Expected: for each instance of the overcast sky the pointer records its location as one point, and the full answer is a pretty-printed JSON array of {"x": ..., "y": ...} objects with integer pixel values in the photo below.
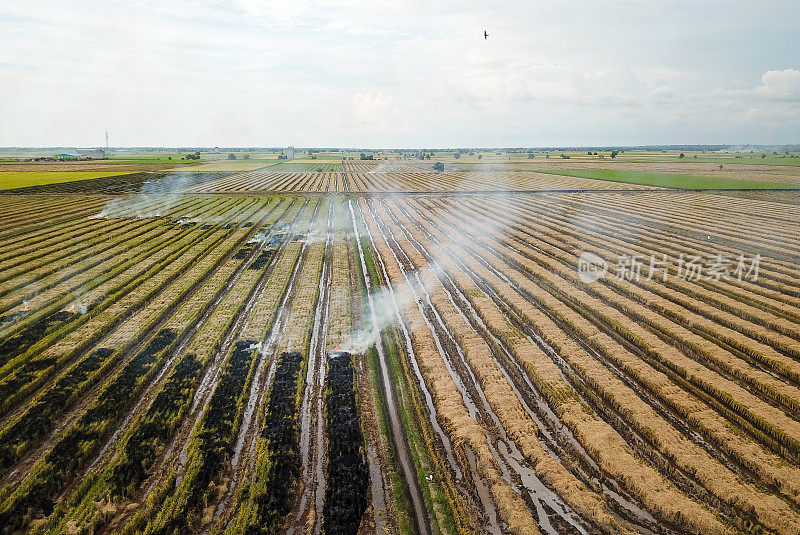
[{"x": 398, "y": 74}]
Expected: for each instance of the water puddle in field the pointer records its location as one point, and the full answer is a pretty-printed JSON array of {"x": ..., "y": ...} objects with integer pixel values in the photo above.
[
  {"x": 455, "y": 467},
  {"x": 208, "y": 384},
  {"x": 376, "y": 490},
  {"x": 312, "y": 405},
  {"x": 476, "y": 318},
  {"x": 507, "y": 462},
  {"x": 634, "y": 511},
  {"x": 268, "y": 353},
  {"x": 484, "y": 495}
]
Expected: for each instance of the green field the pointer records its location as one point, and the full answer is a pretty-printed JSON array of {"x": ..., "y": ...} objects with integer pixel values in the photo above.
[
  {"x": 24, "y": 179},
  {"x": 668, "y": 180}
]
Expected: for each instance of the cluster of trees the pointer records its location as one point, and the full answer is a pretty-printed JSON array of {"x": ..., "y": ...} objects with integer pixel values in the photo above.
[
  {"x": 193, "y": 156},
  {"x": 366, "y": 156}
]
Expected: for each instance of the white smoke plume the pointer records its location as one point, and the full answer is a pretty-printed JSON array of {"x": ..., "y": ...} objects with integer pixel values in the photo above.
[
  {"x": 156, "y": 197},
  {"x": 386, "y": 303}
]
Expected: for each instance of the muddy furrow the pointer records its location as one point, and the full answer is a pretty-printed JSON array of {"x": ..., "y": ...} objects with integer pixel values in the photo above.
[
  {"x": 399, "y": 437},
  {"x": 180, "y": 442},
  {"x": 246, "y": 438},
  {"x": 555, "y": 437},
  {"x": 160, "y": 254},
  {"x": 312, "y": 440},
  {"x": 181, "y": 344},
  {"x": 642, "y": 444},
  {"x": 517, "y": 470}
]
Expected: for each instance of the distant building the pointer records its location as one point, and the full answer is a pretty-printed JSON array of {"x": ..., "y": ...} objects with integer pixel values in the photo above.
[
  {"x": 93, "y": 154},
  {"x": 289, "y": 152}
]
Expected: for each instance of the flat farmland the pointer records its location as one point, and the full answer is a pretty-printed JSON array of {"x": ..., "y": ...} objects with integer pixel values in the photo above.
[{"x": 371, "y": 346}]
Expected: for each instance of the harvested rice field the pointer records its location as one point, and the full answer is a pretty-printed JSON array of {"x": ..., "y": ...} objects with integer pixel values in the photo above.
[{"x": 509, "y": 346}]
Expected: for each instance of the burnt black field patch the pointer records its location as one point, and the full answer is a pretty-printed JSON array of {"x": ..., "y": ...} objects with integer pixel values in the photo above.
[
  {"x": 243, "y": 253},
  {"x": 38, "y": 421},
  {"x": 262, "y": 259},
  {"x": 346, "y": 489},
  {"x": 281, "y": 431},
  {"x": 12, "y": 316},
  {"x": 156, "y": 427},
  {"x": 275, "y": 240}
]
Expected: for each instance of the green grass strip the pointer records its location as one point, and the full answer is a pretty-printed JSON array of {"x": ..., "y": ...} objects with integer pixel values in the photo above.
[
  {"x": 668, "y": 180},
  {"x": 24, "y": 179}
]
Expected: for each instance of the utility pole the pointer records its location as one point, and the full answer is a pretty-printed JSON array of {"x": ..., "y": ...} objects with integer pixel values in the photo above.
[{"x": 106, "y": 141}]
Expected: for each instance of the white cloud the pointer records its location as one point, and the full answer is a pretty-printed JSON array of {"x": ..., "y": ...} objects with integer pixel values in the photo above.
[{"x": 780, "y": 85}]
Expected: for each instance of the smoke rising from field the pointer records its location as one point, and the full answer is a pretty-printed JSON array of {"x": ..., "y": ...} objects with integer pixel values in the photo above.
[
  {"x": 383, "y": 313},
  {"x": 388, "y": 302},
  {"x": 156, "y": 197},
  {"x": 77, "y": 308}
]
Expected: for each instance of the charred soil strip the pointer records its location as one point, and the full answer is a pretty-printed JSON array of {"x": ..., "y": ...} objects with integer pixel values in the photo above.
[
  {"x": 164, "y": 318},
  {"x": 15, "y": 388},
  {"x": 68, "y": 387},
  {"x": 346, "y": 488},
  {"x": 32, "y": 333},
  {"x": 120, "y": 269},
  {"x": 250, "y": 443},
  {"x": 209, "y": 447},
  {"x": 211, "y": 374},
  {"x": 270, "y": 500},
  {"x": 247, "y": 438}
]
